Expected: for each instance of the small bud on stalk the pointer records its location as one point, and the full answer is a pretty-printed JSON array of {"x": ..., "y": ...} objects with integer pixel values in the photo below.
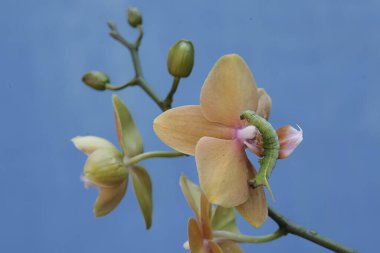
[
  {"x": 181, "y": 58},
  {"x": 96, "y": 79},
  {"x": 134, "y": 17}
]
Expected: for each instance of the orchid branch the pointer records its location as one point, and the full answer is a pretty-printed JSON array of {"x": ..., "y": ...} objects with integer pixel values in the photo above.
[
  {"x": 133, "y": 49},
  {"x": 285, "y": 227},
  {"x": 295, "y": 229},
  {"x": 139, "y": 79}
]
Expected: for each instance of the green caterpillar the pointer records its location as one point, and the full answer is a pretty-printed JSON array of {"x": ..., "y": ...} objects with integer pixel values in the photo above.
[{"x": 271, "y": 149}]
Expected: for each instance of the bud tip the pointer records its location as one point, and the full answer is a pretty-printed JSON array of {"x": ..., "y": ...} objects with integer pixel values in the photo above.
[{"x": 134, "y": 17}]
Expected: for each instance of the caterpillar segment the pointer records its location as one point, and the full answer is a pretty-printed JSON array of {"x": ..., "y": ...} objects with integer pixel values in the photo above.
[{"x": 271, "y": 148}]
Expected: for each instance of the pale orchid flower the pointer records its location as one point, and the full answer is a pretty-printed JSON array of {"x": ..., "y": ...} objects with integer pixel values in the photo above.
[
  {"x": 215, "y": 134},
  {"x": 104, "y": 169},
  {"x": 107, "y": 168}
]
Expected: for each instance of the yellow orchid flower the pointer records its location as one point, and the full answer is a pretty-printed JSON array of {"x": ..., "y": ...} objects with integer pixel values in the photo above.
[
  {"x": 214, "y": 133},
  {"x": 104, "y": 169},
  {"x": 107, "y": 168}
]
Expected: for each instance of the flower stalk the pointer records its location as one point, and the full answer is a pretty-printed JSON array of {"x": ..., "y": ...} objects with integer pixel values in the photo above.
[
  {"x": 169, "y": 98},
  {"x": 139, "y": 79},
  {"x": 225, "y": 235},
  {"x": 292, "y": 228},
  {"x": 133, "y": 82},
  {"x": 152, "y": 154}
]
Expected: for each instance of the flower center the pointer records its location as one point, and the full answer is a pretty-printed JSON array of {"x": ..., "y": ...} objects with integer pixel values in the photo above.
[
  {"x": 125, "y": 159},
  {"x": 246, "y": 134}
]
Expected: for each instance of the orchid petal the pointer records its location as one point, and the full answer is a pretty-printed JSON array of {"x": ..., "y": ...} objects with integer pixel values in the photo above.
[
  {"x": 205, "y": 217},
  {"x": 196, "y": 241},
  {"x": 230, "y": 247},
  {"x": 289, "y": 139},
  {"x": 214, "y": 247},
  {"x": 88, "y": 183},
  {"x": 222, "y": 170},
  {"x": 228, "y": 90},
  {"x": 192, "y": 194},
  {"x": 89, "y": 144},
  {"x": 109, "y": 198},
  {"x": 142, "y": 186},
  {"x": 254, "y": 210},
  {"x": 224, "y": 219},
  {"x": 182, "y": 127},
  {"x": 265, "y": 104},
  {"x": 127, "y": 133},
  {"x": 186, "y": 245}
]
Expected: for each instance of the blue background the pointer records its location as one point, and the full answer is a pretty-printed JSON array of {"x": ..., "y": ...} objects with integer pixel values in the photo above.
[{"x": 319, "y": 60}]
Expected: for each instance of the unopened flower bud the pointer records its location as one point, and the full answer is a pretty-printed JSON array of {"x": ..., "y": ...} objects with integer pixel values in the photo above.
[
  {"x": 134, "y": 17},
  {"x": 181, "y": 58},
  {"x": 96, "y": 79},
  {"x": 104, "y": 167}
]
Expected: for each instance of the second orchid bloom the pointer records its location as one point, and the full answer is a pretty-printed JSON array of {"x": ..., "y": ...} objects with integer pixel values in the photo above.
[
  {"x": 214, "y": 133},
  {"x": 107, "y": 168}
]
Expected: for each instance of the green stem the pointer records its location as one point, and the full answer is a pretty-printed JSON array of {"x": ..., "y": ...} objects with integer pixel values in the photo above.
[
  {"x": 133, "y": 82},
  {"x": 292, "y": 228},
  {"x": 133, "y": 49},
  {"x": 145, "y": 86},
  {"x": 139, "y": 38},
  {"x": 225, "y": 235},
  {"x": 152, "y": 154},
  {"x": 115, "y": 34},
  {"x": 167, "y": 103},
  {"x": 136, "y": 62}
]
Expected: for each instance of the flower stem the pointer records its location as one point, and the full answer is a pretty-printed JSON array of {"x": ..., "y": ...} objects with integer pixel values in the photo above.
[
  {"x": 292, "y": 228},
  {"x": 152, "y": 154},
  {"x": 145, "y": 86},
  {"x": 133, "y": 82},
  {"x": 139, "y": 77},
  {"x": 139, "y": 38},
  {"x": 225, "y": 235},
  {"x": 167, "y": 103}
]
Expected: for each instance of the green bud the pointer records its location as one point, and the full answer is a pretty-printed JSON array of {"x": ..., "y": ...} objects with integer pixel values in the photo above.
[
  {"x": 134, "y": 17},
  {"x": 181, "y": 58},
  {"x": 105, "y": 167},
  {"x": 96, "y": 79}
]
